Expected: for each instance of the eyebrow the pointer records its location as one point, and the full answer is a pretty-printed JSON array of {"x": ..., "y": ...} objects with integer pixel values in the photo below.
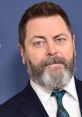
[
  {"x": 37, "y": 36},
  {"x": 42, "y": 37},
  {"x": 61, "y": 34}
]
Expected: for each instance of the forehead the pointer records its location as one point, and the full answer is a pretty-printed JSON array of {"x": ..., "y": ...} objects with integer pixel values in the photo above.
[{"x": 46, "y": 25}]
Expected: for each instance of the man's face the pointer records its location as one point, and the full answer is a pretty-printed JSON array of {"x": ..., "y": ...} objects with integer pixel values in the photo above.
[{"x": 49, "y": 52}]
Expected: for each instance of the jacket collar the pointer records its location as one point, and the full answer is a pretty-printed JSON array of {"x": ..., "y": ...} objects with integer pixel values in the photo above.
[
  {"x": 31, "y": 104},
  {"x": 79, "y": 92}
]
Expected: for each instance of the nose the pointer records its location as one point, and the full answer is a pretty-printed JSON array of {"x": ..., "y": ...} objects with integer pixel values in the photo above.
[{"x": 52, "y": 49}]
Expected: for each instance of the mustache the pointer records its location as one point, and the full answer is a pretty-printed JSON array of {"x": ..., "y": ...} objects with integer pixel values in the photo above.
[
  {"x": 54, "y": 60},
  {"x": 50, "y": 61}
]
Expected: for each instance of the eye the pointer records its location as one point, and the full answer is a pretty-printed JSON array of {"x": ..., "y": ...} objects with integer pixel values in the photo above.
[
  {"x": 39, "y": 43},
  {"x": 60, "y": 40}
]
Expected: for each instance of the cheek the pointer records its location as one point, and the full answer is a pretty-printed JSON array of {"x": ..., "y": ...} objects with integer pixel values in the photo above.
[
  {"x": 36, "y": 56},
  {"x": 68, "y": 52}
]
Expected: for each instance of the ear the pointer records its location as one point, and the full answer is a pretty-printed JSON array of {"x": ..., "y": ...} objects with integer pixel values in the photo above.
[
  {"x": 74, "y": 44},
  {"x": 22, "y": 52}
]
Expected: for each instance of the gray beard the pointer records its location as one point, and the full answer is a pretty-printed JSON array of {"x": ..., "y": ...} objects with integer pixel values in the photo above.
[
  {"x": 53, "y": 79},
  {"x": 55, "y": 83}
]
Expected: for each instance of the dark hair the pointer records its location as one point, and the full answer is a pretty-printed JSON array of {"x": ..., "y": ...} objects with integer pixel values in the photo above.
[{"x": 43, "y": 9}]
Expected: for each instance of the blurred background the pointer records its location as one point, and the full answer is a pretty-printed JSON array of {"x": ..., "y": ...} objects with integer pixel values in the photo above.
[{"x": 13, "y": 75}]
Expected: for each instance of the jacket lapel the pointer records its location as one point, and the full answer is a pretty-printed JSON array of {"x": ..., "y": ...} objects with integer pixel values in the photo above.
[
  {"x": 32, "y": 106},
  {"x": 79, "y": 92}
]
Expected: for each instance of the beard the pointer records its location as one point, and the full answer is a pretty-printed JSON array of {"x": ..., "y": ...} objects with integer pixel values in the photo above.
[{"x": 52, "y": 77}]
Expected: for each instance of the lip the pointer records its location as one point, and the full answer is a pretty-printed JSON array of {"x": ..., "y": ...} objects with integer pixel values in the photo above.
[{"x": 55, "y": 65}]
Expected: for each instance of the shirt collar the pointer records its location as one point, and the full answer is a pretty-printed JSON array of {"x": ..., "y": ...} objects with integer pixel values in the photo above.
[
  {"x": 44, "y": 94},
  {"x": 71, "y": 89}
]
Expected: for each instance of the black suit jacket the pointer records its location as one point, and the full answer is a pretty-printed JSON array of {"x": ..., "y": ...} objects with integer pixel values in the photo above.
[{"x": 27, "y": 104}]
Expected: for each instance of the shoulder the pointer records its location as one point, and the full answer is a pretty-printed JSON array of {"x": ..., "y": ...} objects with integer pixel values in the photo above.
[
  {"x": 78, "y": 82},
  {"x": 13, "y": 105}
]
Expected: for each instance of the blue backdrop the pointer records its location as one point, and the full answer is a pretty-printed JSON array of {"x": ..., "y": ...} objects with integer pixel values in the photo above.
[{"x": 13, "y": 76}]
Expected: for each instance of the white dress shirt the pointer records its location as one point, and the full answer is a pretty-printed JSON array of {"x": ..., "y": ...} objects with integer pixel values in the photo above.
[{"x": 70, "y": 99}]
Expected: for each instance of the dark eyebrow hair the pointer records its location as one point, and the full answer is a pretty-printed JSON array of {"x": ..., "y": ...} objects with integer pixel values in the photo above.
[
  {"x": 61, "y": 34},
  {"x": 42, "y": 37},
  {"x": 37, "y": 36}
]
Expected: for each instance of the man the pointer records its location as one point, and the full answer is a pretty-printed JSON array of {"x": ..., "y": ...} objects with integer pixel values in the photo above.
[{"x": 47, "y": 47}]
